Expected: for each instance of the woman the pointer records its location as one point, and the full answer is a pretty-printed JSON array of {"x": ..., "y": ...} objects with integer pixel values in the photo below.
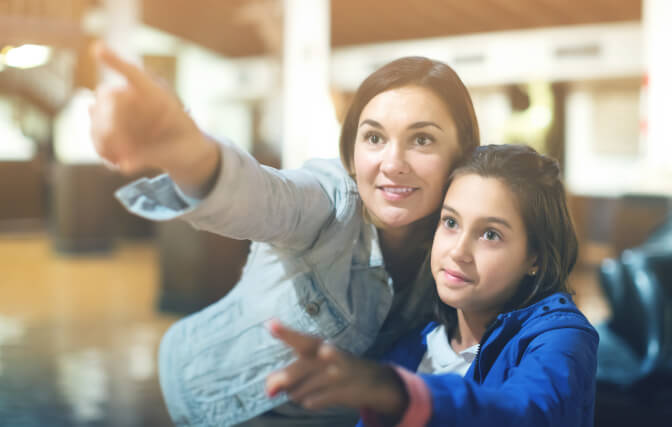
[
  {"x": 338, "y": 252},
  {"x": 510, "y": 347}
]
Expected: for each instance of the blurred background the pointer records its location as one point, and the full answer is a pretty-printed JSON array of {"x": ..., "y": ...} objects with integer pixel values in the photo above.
[{"x": 86, "y": 290}]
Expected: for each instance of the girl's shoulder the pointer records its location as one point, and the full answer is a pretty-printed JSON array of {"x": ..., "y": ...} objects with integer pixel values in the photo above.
[
  {"x": 409, "y": 349},
  {"x": 556, "y": 311}
]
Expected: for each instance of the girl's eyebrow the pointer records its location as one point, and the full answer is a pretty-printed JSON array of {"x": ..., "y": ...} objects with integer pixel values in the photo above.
[
  {"x": 498, "y": 221},
  {"x": 416, "y": 125},
  {"x": 370, "y": 122},
  {"x": 488, "y": 219},
  {"x": 449, "y": 209}
]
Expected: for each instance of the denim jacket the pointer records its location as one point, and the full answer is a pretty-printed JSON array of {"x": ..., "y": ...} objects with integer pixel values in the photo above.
[
  {"x": 536, "y": 367},
  {"x": 314, "y": 264}
]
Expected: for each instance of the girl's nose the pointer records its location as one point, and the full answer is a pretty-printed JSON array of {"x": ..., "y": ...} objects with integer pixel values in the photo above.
[{"x": 461, "y": 251}]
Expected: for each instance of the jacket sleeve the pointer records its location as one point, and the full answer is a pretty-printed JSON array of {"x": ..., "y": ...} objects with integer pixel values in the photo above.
[
  {"x": 405, "y": 356},
  {"x": 553, "y": 385},
  {"x": 249, "y": 201}
]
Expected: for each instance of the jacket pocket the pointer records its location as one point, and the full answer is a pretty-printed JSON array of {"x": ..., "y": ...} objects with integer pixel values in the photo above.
[{"x": 319, "y": 314}]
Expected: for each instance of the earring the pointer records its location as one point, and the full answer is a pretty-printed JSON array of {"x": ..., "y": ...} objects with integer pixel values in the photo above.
[{"x": 533, "y": 272}]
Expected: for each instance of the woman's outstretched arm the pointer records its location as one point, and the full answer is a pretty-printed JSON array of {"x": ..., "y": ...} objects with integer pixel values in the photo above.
[{"x": 141, "y": 124}]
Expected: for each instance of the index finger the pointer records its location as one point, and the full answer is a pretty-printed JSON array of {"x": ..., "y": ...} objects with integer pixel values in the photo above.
[
  {"x": 303, "y": 345},
  {"x": 134, "y": 74}
]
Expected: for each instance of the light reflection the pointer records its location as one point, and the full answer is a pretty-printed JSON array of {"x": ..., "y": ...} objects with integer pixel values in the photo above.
[
  {"x": 72, "y": 130},
  {"x": 84, "y": 382},
  {"x": 14, "y": 145},
  {"x": 11, "y": 330},
  {"x": 142, "y": 353}
]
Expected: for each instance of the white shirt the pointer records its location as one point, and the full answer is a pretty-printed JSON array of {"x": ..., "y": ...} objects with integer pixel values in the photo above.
[{"x": 440, "y": 357}]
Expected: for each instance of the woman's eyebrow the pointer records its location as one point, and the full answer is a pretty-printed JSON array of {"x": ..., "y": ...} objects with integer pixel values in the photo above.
[
  {"x": 418, "y": 125},
  {"x": 370, "y": 122}
]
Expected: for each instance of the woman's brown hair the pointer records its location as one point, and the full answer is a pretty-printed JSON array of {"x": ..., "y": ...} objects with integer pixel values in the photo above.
[
  {"x": 413, "y": 71},
  {"x": 536, "y": 183}
]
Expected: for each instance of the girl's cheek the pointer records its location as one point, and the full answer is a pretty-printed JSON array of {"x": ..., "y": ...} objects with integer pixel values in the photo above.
[{"x": 443, "y": 242}]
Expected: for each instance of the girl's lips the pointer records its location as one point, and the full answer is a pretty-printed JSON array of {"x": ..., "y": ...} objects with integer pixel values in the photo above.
[
  {"x": 396, "y": 193},
  {"x": 455, "y": 277}
]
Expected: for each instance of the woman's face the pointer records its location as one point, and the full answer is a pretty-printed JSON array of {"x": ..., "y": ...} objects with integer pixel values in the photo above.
[
  {"x": 480, "y": 250},
  {"x": 405, "y": 147}
]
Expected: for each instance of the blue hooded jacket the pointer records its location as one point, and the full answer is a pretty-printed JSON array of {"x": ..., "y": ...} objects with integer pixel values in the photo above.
[{"x": 536, "y": 367}]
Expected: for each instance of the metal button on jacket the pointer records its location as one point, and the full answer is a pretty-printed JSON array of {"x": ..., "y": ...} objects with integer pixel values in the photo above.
[{"x": 312, "y": 308}]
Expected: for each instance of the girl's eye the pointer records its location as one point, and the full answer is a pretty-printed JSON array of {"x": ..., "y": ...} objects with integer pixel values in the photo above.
[
  {"x": 491, "y": 235},
  {"x": 423, "y": 140},
  {"x": 449, "y": 222}
]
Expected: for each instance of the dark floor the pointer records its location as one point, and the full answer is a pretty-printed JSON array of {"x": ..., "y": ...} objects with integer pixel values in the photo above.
[
  {"x": 79, "y": 335},
  {"x": 51, "y": 377}
]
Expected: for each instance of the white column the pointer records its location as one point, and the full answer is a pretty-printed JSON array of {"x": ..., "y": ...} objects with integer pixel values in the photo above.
[
  {"x": 309, "y": 123},
  {"x": 122, "y": 20},
  {"x": 656, "y": 19},
  {"x": 72, "y": 138}
]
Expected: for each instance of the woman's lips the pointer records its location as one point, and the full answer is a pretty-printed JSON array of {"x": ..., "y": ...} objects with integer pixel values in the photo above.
[{"x": 396, "y": 193}]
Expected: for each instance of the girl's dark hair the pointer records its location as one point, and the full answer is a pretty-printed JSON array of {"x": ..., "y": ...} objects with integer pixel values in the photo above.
[
  {"x": 413, "y": 71},
  {"x": 536, "y": 183}
]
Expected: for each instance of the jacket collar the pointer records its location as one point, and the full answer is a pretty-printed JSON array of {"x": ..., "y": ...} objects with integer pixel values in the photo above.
[{"x": 557, "y": 302}]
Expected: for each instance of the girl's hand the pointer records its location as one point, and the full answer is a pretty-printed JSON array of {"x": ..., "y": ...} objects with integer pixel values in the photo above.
[
  {"x": 324, "y": 376},
  {"x": 143, "y": 125}
]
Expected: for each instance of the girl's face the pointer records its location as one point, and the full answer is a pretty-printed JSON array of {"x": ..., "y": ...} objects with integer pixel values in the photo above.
[
  {"x": 480, "y": 249},
  {"x": 405, "y": 147}
]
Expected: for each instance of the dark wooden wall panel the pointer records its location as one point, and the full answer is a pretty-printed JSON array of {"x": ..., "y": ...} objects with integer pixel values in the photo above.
[{"x": 22, "y": 190}]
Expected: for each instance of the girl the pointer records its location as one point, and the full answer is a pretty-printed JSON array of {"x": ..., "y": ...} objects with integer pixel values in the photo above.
[
  {"x": 328, "y": 241},
  {"x": 509, "y": 347}
]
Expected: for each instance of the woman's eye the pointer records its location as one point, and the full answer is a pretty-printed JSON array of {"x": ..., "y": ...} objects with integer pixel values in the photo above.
[
  {"x": 423, "y": 140},
  {"x": 491, "y": 235},
  {"x": 373, "y": 138}
]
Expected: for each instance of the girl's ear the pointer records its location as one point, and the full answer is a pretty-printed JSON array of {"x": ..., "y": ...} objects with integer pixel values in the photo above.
[{"x": 533, "y": 267}]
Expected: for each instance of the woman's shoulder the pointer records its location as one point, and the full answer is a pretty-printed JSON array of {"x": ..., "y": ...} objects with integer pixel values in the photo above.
[
  {"x": 330, "y": 172},
  {"x": 336, "y": 183}
]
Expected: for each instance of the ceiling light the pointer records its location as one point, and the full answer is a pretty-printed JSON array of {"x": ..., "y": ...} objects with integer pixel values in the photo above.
[{"x": 26, "y": 56}]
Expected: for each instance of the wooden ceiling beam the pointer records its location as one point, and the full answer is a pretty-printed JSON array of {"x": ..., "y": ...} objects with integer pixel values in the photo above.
[
  {"x": 217, "y": 24},
  {"x": 18, "y": 30},
  {"x": 470, "y": 19},
  {"x": 371, "y": 21},
  {"x": 608, "y": 10},
  {"x": 46, "y": 22},
  {"x": 517, "y": 14},
  {"x": 213, "y": 24}
]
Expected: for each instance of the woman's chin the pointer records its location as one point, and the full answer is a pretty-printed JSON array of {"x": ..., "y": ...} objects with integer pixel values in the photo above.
[{"x": 394, "y": 219}]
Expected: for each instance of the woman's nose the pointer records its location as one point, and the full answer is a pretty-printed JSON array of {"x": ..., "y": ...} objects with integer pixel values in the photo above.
[{"x": 394, "y": 160}]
